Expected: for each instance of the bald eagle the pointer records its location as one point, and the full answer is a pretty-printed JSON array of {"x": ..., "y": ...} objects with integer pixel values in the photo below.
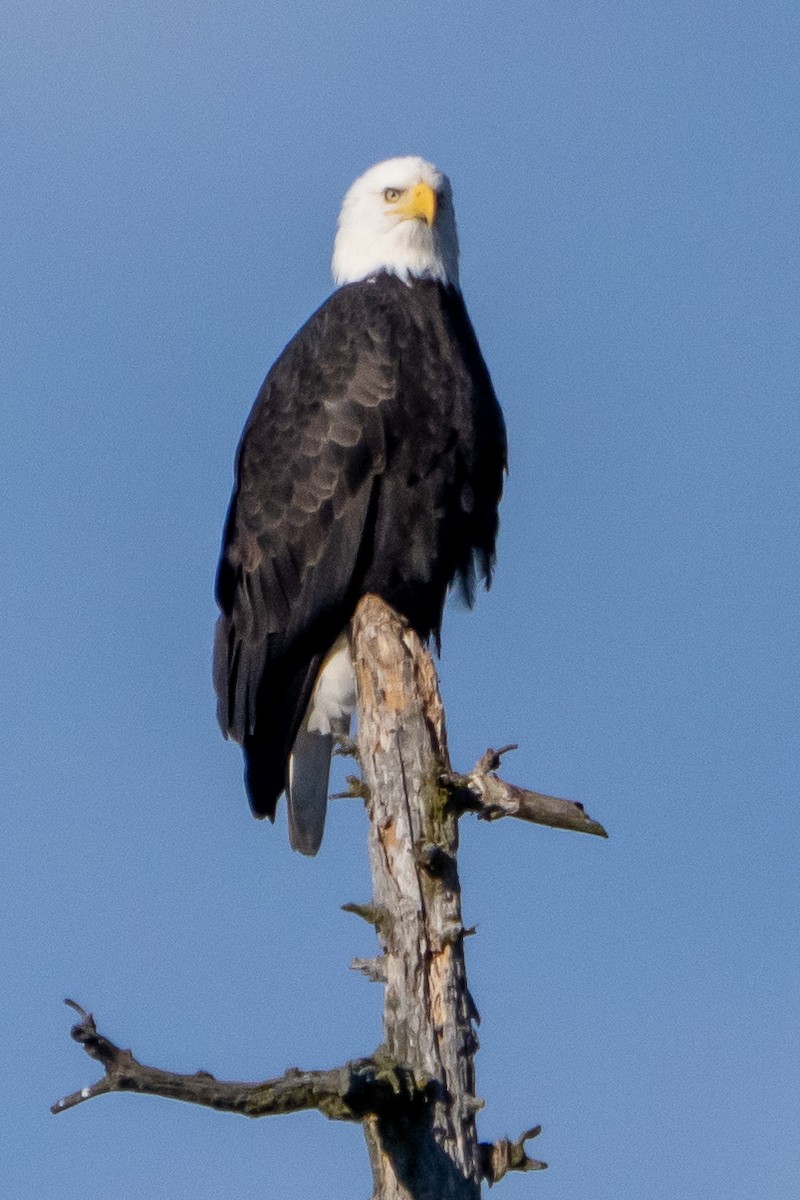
[{"x": 372, "y": 461}]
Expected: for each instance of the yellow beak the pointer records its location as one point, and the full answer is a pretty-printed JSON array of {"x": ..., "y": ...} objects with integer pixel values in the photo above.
[{"x": 420, "y": 204}]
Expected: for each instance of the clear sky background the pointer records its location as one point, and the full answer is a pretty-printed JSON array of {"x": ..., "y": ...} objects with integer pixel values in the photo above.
[{"x": 626, "y": 182}]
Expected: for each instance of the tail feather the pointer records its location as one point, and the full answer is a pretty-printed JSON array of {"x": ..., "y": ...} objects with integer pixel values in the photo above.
[
  {"x": 309, "y": 783},
  {"x": 307, "y": 790}
]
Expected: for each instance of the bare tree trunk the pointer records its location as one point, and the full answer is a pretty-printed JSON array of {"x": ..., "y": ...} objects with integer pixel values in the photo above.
[{"x": 413, "y": 840}]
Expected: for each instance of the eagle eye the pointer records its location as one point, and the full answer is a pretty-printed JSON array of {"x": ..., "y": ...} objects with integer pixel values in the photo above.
[{"x": 391, "y": 195}]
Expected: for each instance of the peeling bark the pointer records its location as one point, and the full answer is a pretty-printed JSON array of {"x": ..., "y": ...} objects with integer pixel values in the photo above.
[{"x": 413, "y": 842}]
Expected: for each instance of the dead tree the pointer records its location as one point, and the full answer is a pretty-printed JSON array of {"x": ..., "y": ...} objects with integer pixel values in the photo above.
[{"x": 415, "y": 1096}]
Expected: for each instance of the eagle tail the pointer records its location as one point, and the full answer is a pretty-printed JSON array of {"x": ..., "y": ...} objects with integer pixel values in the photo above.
[
  {"x": 267, "y": 746},
  {"x": 307, "y": 789}
]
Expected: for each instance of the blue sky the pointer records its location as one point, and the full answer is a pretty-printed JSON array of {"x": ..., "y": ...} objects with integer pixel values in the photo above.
[{"x": 627, "y": 190}]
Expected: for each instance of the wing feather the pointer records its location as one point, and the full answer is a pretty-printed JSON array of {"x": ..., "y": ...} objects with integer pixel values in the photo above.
[{"x": 312, "y": 448}]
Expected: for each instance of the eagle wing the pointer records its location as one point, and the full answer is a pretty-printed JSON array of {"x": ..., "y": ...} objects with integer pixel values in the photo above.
[{"x": 308, "y": 460}]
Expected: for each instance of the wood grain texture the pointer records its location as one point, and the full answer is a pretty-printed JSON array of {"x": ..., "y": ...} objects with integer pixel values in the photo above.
[{"x": 413, "y": 842}]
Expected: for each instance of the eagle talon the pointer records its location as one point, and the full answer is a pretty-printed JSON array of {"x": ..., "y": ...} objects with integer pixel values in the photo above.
[{"x": 345, "y": 746}]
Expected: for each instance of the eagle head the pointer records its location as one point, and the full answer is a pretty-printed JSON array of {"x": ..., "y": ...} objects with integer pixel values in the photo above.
[{"x": 398, "y": 217}]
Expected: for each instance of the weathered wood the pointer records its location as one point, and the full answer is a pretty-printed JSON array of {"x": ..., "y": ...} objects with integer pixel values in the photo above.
[
  {"x": 348, "y": 1093},
  {"x": 500, "y": 1157},
  {"x": 359, "y": 1091},
  {"x": 484, "y": 793},
  {"x": 431, "y": 1152},
  {"x": 416, "y": 1095}
]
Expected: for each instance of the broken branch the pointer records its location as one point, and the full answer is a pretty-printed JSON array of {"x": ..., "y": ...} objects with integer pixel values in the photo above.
[
  {"x": 349, "y": 1093},
  {"x": 502, "y": 1156},
  {"x": 484, "y": 793}
]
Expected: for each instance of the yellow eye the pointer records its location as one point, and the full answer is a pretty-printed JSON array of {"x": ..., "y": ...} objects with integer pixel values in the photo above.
[{"x": 392, "y": 195}]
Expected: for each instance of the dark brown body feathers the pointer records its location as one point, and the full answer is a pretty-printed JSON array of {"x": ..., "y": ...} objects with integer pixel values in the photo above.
[{"x": 372, "y": 461}]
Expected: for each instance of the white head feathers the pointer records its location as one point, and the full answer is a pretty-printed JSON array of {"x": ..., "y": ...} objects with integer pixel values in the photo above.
[{"x": 397, "y": 217}]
